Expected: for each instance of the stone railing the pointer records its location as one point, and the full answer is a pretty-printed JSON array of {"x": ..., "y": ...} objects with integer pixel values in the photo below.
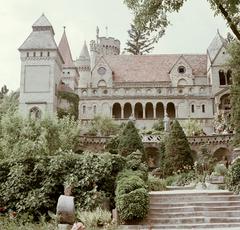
[
  {"x": 214, "y": 139},
  {"x": 136, "y": 91}
]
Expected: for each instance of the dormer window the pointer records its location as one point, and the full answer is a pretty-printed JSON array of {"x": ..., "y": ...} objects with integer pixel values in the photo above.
[{"x": 181, "y": 69}]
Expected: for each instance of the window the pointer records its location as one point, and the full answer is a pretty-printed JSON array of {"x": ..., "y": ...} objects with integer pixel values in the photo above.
[
  {"x": 27, "y": 54},
  {"x": 34, "y": 54},
  {"x": 94, "y": 109},
  {"x": 192, "y": 108},
  {"x": 181, "y": 69},
  {"x": 84, "y": 109},
  {"x": 203, "y": 108},
  {"x": 41, "y": 54},
  {"x": 48, "y": 54},
  {"x": 222, "y": 79}
]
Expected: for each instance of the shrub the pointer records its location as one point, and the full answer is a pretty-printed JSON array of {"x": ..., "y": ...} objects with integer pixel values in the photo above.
[
  {"x": 133, "y": 205},
  {"x": 181, "y": 179},
  {"x": 233, "y": 177},
  {"x": 96, "y": 218},
  {"x": 129, "y": 140},
  {"x": 177, "y": 151},
  {"x": 156, "y": 184},
  {"x": 131, "y": 196},
  {"x": 220, "y": 170}
]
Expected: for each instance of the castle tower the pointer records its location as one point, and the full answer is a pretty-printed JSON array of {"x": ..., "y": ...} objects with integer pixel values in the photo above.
[
  {"x": 70, "y": 72},
  {"x": 103, "y": 46},
  {"x": 84, "y": 67},
  {"x": 41, "y": 71}
]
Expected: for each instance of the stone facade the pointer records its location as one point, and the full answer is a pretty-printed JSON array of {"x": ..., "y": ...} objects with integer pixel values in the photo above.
[{"x": 149, "y": 87}]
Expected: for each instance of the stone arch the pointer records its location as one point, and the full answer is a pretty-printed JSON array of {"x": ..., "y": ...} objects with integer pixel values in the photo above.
[
  {"x": 171, "y": 111},
  {"x": 102, "y": 83},
  {"x": 182, "y": 82},
  {"x": 127, "y": 110},
  {"x": 153, "y": 157},
  {"x": 222, "y": 154},
  {"x": 138, "y": 111},
  {"x": 149, "y": 110},
  {"x": 160, "y": 110},
  {"x": 225, "y": 102},
  {"x": 35, "y": 113},
  {"x": 116, "y": 111}
]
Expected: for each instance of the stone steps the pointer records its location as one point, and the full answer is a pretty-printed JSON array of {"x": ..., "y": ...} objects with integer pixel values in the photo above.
[{"x": 192, "y": 209}]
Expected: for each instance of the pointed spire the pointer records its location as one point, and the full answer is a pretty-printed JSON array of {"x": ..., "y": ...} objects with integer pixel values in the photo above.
[
  {"x": 65, "y": 51},
  {"x": 42, "y": 24},
  {"x": 84, "y": 53}
]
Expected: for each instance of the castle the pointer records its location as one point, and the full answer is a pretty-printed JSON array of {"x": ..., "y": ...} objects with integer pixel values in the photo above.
[{"x": 147, "y": 87}]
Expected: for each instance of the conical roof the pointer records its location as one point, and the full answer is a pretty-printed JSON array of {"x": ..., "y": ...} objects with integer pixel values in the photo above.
[
  {"x": 65, "y": 51},
  {"x": 84, "y": 53},
  {"x": 42, "y": 36}
]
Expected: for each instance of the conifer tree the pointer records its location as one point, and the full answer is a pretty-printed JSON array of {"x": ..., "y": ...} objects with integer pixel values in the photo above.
[
  {"x": 139, "y": 42},
  {"x": 129, "y": 140},
  {"x": 177, "y": 151}
]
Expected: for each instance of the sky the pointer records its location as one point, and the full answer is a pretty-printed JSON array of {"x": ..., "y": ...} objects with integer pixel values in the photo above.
[{"x": 191, "y": 30}]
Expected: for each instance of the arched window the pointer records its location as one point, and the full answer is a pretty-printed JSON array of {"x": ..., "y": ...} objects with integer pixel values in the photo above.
[
  {"x": 203, "y": 108},
  {"x": 94, "y": 109},
  {"x": 192, "y": 108},
  {"x": 222, "y": 79},
  {"x": 35, "y": 113},
  {"x": 84, "y": 109},
  {"x": 102, "y": 83}
]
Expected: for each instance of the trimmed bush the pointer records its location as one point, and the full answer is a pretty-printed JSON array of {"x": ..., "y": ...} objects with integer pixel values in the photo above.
[
  {"x": 233, "y": 177},
  {"x": 178, "y": 156},
  {"x": 133, "y": 205},
  {"x": 129, "y": 140}
]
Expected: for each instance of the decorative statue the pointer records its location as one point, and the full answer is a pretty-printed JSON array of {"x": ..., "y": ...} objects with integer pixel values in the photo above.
[{"x": 166, "y": 122}]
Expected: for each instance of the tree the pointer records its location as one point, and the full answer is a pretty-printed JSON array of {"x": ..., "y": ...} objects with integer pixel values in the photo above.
[
  {"x": 151, "y": 15},
  {"x": 178, "y": 156},
  {"x": 234, "y": 63},
  {"x": 129, "y": 140},
  {"x": 139, "y": 42}
]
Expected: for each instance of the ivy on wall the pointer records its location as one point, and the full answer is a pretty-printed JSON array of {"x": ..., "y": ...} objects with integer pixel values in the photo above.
[{"x": 73, "y": 100}]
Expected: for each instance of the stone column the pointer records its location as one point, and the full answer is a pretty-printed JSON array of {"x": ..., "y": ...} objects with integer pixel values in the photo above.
[
  {"x": 154, "y": 111},
  {"x": 122, "y": 112},
  {"x": 144, "y": 111},
  {"x": 165, "y": 109}
]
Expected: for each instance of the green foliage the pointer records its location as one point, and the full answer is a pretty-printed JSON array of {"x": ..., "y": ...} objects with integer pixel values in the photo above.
[
  {"x": 112, "y": 145},
  {"x": 139, "y": 42},
  {"x": 235, "y": 90},
  {"x": 73, "y": 100},
  {"x": 102, "y": 126},
  {"x": 158, "y": 126},
  {"x": 193, "y": 128},
  {"x": 156, "y": 184},
  {"x": 131, "y": 197},
  {"x": 205, "y": 162},
  {"x": 152, "y": 15},
  {"x": 181, "y": 179},
  {"x": 177, "y": 151},
  {"x": 34, "y": 183},
  {"x": 96, "y": 218},
  {"x": 8, "y": 103},
  {"x": 21, "y": 137},
  {"x": 21, "y": 223},
  {"x": 220, "y": 170},
  {"x": 129, "y": 140},
  {"x": 233, "y": 177}
]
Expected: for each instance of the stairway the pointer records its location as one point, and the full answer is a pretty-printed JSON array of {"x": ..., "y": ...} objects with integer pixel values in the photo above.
[{"x": 192, "y": 209}]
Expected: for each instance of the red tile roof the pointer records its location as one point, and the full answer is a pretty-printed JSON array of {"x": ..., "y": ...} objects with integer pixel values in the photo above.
[{"x": 152, "y": 68}]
